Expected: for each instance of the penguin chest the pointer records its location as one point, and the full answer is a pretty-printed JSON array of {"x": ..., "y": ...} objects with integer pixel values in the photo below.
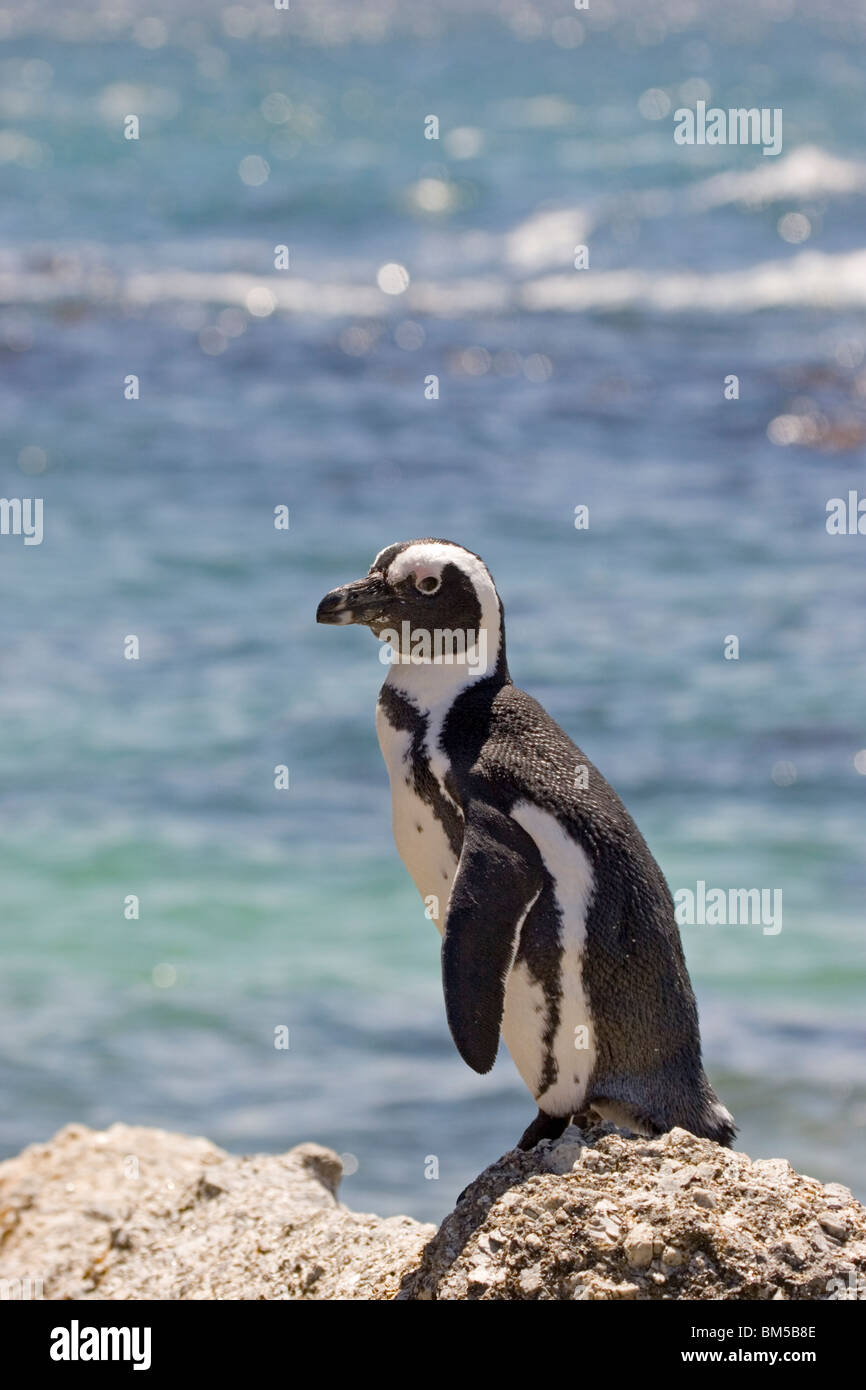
[{"x": 427, "y": 823}]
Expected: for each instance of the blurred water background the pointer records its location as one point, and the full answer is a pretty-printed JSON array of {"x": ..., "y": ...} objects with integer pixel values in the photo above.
[{"x": 605, "y": 387}]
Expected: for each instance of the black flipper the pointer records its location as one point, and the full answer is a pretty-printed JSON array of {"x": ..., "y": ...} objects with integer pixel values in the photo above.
[{"x": 482, "y": 927}]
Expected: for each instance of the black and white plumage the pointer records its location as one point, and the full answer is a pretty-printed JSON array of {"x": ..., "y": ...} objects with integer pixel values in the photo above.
[{"x": 557, "y": 924}]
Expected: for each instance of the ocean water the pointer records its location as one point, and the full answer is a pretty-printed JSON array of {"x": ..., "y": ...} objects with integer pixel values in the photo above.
[{"x": 264, "y": 909}]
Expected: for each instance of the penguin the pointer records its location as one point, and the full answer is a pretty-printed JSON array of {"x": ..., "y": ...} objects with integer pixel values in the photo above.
[{"x": 557, "y": 925}]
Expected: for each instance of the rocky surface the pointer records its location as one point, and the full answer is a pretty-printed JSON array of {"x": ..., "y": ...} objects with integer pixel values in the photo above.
[
  {"x": 132, "y": 1213},
  {"x": 141, "y": 1213},
  {"x": 606, "y": 1215}
]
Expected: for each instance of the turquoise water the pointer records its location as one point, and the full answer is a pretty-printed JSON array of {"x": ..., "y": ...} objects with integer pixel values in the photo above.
[{"x": 262, "y": 909}]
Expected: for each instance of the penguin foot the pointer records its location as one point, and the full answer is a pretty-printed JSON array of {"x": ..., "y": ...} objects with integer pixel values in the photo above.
[
  {"x": 542, "y": 1127},
  {"x": 626, "y": 1115}
]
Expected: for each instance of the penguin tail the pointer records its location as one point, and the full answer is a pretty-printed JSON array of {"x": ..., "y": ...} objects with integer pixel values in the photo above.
[{"x": 719, "y": 1125}]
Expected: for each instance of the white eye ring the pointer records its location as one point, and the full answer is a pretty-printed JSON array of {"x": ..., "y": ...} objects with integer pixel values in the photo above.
[{"x": 429, "y": 584}]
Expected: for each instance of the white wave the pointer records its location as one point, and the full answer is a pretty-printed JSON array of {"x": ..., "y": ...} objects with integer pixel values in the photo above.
[
  {"x": 808, "y": 172},
  {"x": 105, "y": 288},
  {"x": 548, "y": 238},
  {"x": 323, "y": 298},
  {"x": 808, "y": 280}
]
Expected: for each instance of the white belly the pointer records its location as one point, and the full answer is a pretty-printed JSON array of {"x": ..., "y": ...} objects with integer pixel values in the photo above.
[
  {"x": 525, "y": 1018},
  {"x": 420, "y": 839}
]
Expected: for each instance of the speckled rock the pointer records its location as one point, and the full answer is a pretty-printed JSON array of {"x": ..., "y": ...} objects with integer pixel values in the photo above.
[
  {"x": 140, "y": 1213},
  {"x": 607, "y": 1215}
]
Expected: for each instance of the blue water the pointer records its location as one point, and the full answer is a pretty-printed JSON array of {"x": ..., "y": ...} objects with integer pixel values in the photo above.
[{"x": 263, "y": 909}]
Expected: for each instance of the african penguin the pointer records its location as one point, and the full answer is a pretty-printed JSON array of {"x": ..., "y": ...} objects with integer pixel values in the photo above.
[{"x": 557, "y": 925}]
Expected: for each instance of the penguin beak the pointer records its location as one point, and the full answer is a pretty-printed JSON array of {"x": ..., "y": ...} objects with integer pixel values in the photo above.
[{"x": 359, "y": 602}]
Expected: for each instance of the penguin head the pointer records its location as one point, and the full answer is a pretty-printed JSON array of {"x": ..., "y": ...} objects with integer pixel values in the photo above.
[{"x": 421, "y": 595}]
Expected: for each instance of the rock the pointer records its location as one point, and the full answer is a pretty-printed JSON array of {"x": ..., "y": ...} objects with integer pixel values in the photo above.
[
  {"x": 639, "y": 1245},
  {"x": 561, "y": 1157},
  {"x": 670, "y": 1218},
  {"x": 832, "y": 1225},
  {"x": 597, "y": 1215},
  {"x": 672, "y": 1257},
  {"x": 531, "y": 1282},
  {"x": 159, "y": 1215},
  {"x": 836, "y": 1194},
  {"x": 794, "y": 1250}
]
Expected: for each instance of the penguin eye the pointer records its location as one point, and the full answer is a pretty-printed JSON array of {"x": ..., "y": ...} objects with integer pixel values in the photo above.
[{"x": 428, "y": 585}]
